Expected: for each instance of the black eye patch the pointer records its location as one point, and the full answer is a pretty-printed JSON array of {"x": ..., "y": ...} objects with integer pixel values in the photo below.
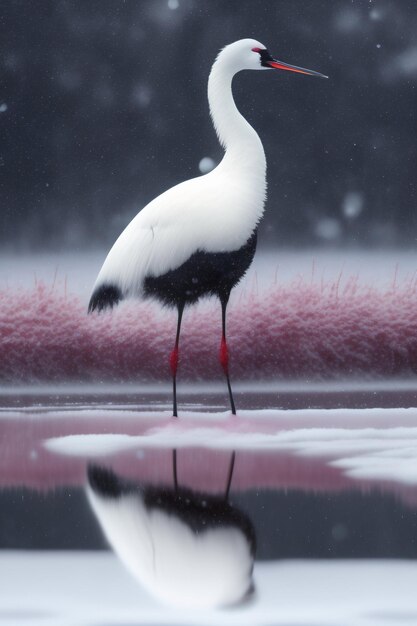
[{"x": 265, "y": 56}]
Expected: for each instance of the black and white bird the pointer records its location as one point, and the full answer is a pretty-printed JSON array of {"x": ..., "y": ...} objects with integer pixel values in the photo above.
[
  {"x": 199, "y": 237},
  {"x": 187, "y": 548}
]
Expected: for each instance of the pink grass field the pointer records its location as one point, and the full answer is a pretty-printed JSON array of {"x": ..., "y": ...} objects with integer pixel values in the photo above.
[{"x": 302, "y": 330}]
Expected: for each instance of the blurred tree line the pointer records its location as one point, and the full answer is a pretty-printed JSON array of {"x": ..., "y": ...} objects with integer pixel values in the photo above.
[{"x": 103, "y": 106}]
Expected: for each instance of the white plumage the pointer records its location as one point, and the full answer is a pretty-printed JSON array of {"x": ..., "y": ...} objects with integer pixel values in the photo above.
[
  {"x": 216, "y": 212},
  {"x": 179, "y": 222},
  {"x": 199, "y": 237},
  {"x": 176, "y": 564}
]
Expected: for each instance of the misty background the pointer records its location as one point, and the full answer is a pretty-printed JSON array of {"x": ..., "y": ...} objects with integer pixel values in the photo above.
[{"x": 103, "y": 106}]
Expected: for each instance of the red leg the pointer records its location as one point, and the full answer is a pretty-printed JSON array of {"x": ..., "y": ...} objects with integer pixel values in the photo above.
[
  {"x": 224, "y": 356},
  {"x": 224, "y": 352},
  {"x": 173, "y": 361}
]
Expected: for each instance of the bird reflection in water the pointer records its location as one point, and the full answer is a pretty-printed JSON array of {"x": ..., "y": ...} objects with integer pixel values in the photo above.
[{"x": 187, "y": 548}]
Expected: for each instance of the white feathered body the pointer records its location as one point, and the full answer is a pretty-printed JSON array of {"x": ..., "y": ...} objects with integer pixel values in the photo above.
[
  {"x": 217, "y": 212},
  {"x": 178, "y": 565},
  {"x": 211, "y": 213}
]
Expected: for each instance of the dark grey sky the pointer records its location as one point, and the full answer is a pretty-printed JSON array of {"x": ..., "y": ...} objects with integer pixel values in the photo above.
[{"x": 103, "y": 106}]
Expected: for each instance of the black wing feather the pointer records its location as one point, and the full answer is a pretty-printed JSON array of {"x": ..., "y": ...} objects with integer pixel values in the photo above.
[{"x": 105, "y": 296}]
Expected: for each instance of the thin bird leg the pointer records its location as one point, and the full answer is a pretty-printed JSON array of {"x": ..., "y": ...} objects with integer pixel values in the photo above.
[
  {"x": 174, "y": 358},
  {"x": 174, "y": 469},
  {"x": 230, "y": 475},
  {"x": 224, "y": 352}
]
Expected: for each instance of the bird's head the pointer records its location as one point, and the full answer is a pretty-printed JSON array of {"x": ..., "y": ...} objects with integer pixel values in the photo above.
[{"x": 249, "y": 54}]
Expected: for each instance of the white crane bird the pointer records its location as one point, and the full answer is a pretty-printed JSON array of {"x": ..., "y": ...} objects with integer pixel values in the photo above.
[{"x": 199, "y": 237}]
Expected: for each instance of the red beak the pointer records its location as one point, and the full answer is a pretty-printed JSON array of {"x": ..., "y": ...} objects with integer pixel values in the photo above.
[{"x": 280, "y": 65}]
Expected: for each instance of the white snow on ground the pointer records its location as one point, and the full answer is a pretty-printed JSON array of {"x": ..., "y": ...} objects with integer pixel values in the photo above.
[
  {"x": 78, "y": 270},
  {"x": 91, "y": 589},
  {"x": 275, "y": 419},
  {"x": 363, "y": 442}
]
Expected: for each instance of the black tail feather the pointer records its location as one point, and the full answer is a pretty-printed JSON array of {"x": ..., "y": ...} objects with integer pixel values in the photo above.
[
  {"x": 104, "y": 481},
  {"x": 105, "y": 296}
]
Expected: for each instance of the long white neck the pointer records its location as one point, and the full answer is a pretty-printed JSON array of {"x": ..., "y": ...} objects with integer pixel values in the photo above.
[{"x": 242, "y": 144}]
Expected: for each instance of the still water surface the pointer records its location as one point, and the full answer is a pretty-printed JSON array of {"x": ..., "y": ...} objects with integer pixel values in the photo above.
[{"x": 114, "y": 513}]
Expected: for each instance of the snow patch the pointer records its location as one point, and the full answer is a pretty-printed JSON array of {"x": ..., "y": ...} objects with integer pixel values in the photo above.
[
  {"x": 374, "y": 453},
  {"x": 92, "y": 588}
]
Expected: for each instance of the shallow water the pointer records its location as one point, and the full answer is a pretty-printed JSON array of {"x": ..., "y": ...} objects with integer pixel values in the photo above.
[{"x": 302, "y": 509}]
